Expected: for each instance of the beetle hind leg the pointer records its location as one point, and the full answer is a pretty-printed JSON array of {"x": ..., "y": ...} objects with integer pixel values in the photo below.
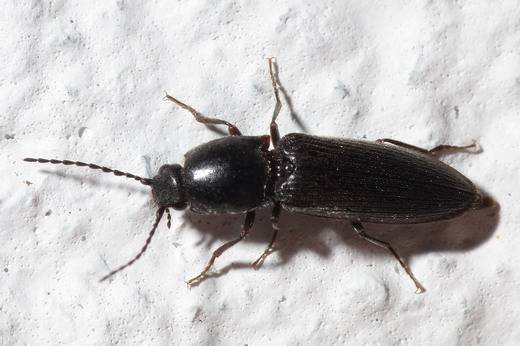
[
  {"x": 248, "y": 223},
  {"x": 274, "y": 222},
  {"x": 448, "y": 149},
  {"x": 440, "y": 149},
  {"x": 358, "y": 228}
]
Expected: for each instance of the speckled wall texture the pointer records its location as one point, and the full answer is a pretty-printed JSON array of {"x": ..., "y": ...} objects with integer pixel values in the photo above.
[{"x": 84, "y": 80}]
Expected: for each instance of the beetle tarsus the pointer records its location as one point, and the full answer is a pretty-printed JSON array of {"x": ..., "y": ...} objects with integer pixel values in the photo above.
[
  {"x": 248, "y": 222},
  {"x": 274, "y": 221},
  {"x": 358, "y": 228}
]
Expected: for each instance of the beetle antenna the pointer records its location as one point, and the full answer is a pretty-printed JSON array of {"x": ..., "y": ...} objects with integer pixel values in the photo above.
[
  {"x": 160, "y": 213},
  {"x": 168, "y": 218},
  {"x": 144, "y": 181}
]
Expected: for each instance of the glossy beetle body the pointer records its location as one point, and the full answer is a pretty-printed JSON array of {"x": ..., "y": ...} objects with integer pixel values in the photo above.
[
  {"x": 329, "y": 177},
  {"x": 386, "y": 181}
]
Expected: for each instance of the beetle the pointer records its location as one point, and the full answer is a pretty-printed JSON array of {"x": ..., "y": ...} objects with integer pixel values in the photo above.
[{"x": 386, "y": 181}]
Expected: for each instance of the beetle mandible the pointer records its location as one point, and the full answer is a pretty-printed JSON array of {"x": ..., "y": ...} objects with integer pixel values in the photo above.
[{"x": 386, "y": 181}]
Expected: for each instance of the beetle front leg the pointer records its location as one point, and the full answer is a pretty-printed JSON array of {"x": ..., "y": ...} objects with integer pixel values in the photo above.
[
  {"x": 440, "y": 149},
  {"x": 248, "y": 222},
  {"x": 275, "y": 216},
  {"x": 232, "y": 129},
  {"x": 358, "y": 228},
  {"x": 273, "y": 72}
]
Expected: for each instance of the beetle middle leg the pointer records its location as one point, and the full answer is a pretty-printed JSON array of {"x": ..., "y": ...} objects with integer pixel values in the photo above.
[
  {"x": 358, "y": 228},
  {"x": 275, "y": 216},
  {"x": 273, "y": 72},
  {"x": 232, "y": 129},
  {"x": 248, "y": 222},
  {"x": 440, "y": 149}
]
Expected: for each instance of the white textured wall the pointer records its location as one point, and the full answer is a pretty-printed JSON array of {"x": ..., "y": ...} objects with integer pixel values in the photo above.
[{"x": 85, "y": 80}]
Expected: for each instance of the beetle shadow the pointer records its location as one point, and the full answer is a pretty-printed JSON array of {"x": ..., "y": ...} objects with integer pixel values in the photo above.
[
  {"x": 299, "y": 233},
  {"x": 288, "y": 101}
]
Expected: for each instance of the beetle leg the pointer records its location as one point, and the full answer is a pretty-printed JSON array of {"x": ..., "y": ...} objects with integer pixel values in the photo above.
[
  {"x": 448, "y": 149},
  {"x": 232, "y": 129},
  {"x": 248, "y": 222},
  {"x": 440, "y": 149},
  {"x": 358, "y": 228},
  {"x": 403, "y": 145},
  {"x": 273, "y": 72},
  {"x": 275, "y": 216}
]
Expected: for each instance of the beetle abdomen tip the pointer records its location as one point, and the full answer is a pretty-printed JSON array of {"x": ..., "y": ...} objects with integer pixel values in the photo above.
[{"x": 484, "y": 201}]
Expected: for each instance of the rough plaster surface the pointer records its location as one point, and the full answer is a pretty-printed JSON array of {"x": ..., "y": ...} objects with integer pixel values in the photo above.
[{"x": 84, "y": 80}]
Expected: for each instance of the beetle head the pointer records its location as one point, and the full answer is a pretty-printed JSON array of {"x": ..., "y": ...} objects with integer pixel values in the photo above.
[{"x": 167, "y": 187}]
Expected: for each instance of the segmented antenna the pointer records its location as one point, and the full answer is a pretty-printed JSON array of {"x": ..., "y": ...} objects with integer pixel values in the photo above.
[
  {"x": 144, "y": 181},
  {"x": 168, "y": 218},
  {"x": 160, "y": 213}
]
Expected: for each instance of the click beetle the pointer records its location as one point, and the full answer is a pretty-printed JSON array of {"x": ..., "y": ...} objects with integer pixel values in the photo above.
[{"x": 385, "y": 181}]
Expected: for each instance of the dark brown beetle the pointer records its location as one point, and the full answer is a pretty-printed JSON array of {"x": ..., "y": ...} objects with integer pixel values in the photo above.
[{"x": 386, "y": 181}]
